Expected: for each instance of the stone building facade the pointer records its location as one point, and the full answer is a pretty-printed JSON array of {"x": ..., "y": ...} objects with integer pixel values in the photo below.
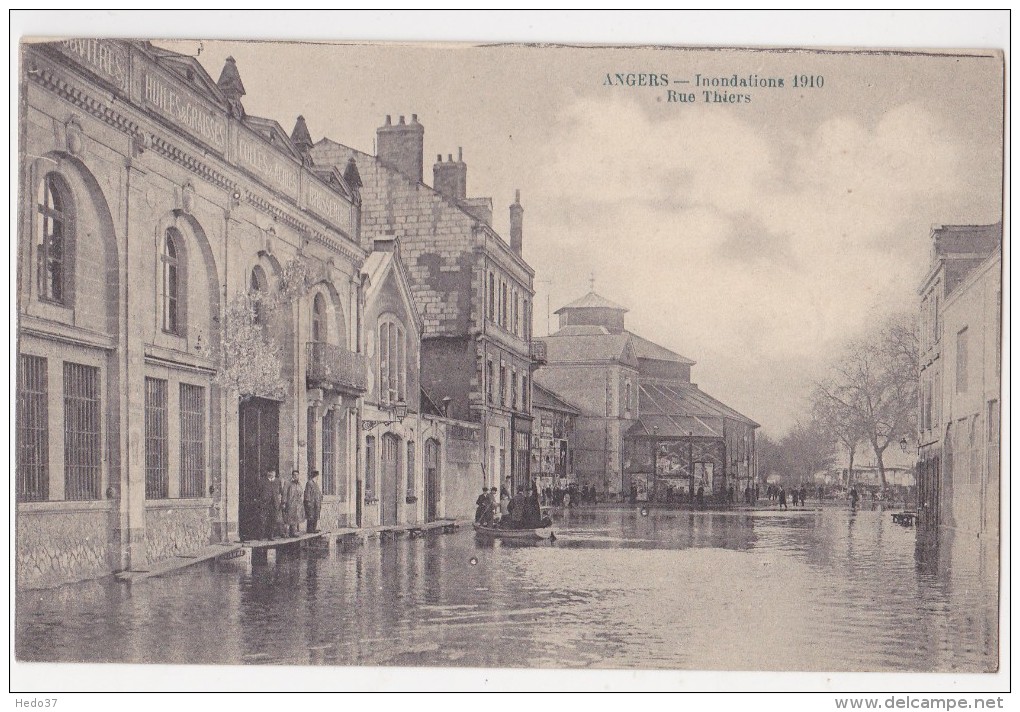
[
  {"x": 959, "y": 381},
  {"x": 151, "y": 206},
  {"x": 643, "y": 424},
  {"x": 473, "y": 289}
]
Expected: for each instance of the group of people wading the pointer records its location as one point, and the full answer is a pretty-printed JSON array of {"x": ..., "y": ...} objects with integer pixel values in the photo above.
[
  {"x": 284, "y": 505},
  {"x": 522, "y": 511}
]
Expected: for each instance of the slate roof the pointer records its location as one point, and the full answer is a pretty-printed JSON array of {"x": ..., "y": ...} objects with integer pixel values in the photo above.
[
  {"x": 643, "y": 348},
  {"x": 542, "y": 397},
  {"x": 591, "y": 300},
  {"x": 593, "y": 347}
]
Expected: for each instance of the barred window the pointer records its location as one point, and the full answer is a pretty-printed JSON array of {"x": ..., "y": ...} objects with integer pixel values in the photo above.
[
  {"x": 410, "y": 468},
  {"x": 157, "y": 468},
  {"x": 54, "y": 236},
  {"x": 82, "y": 446},
  {"x": 370, "y": 466},
  {"x": 33, "y": 475},
  {"x": 329, "y": 452},
  {"x": 192, "y": 440}
]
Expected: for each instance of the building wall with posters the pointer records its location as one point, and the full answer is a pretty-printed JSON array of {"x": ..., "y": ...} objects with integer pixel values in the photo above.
[
  {"x": 154, "y": 214},
  {"x": 553, "y": 438}
]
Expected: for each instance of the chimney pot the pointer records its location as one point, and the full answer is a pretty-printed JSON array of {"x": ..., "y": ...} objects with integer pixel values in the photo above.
[
  {"x": 460, "y": 153},
  {"x": 517, "y": 224},
  {"x": 389, "y": 120},
  {"x": 439, "y": 158},
  {"x": 402, "y": 120},
  {"x": 414, "y": 118},
  {"x": 449, "y": 157}
]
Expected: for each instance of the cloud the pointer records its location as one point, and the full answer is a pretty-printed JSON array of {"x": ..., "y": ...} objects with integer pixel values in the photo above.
[{"x": 754, "y": 249}]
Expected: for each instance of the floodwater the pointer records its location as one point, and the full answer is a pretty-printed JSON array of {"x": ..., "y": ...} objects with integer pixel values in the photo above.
[{"x": 826, "y": 589}]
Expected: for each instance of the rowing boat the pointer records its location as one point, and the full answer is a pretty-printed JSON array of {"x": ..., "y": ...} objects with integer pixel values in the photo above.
[{"x": 500, "y": 533}]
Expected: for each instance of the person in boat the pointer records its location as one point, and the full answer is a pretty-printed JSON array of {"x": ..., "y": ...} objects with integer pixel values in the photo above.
[
  {"x": 504, "y": 505},
  {"x": 490, "y": 516},
  {"x": 532, "y": 508},
  {"x": 517, "y": 509},
  {"x": 481, "y": 505}
]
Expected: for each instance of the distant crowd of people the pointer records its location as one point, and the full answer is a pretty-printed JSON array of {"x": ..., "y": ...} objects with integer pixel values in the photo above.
[{"x": 284, "y": 505}]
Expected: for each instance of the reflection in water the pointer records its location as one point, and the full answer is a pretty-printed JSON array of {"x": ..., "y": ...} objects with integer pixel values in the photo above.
[{"x": 826, "y": 589}]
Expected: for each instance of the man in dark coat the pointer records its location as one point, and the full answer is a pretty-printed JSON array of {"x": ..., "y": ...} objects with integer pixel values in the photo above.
[
  {"x": 313, "y": 502},
  {"x": 481, "y": 505},
  {"x": 518, "y": 507},
  {"x": 293, "y": 505},
  {"x": 270, "y": 503}
]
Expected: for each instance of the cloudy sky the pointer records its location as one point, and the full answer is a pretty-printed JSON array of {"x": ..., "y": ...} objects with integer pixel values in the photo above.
[{"x": 753, "y": 238}]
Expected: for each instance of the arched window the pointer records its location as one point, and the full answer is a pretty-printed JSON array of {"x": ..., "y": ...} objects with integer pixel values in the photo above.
[
  {"x": 55, "y": 235},
  {"x": 319, "y": 319},
  {"x": 392, "y": 361},
  {"x": 172, "y": 273},
  {"x": 260, "y": 289}
]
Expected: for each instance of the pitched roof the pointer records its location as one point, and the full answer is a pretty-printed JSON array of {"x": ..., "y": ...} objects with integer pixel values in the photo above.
[
  {"x": 662, "y": 404},
  {"x": 643, "y": 348},
  {"x": 542, "y": 397},
  {"x": 591, "y": 300},
  {"x": 589, "y": 347}
]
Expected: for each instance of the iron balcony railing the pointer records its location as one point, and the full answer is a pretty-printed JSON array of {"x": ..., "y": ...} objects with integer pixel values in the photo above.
[
  {"x": 335, "y": 368},
  {"x": 538, "y": 352}
]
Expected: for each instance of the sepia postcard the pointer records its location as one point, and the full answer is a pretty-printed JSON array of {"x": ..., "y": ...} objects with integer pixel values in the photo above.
[{"x": 507, "y": 355}]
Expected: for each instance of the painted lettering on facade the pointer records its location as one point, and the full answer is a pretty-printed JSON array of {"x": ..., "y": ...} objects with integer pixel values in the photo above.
[
  {"x": 205, "y": 123},
  {"x": 273, "y": 169},
  {"x": 329, "y": 206},
  {"x": 105, "y": 59}
]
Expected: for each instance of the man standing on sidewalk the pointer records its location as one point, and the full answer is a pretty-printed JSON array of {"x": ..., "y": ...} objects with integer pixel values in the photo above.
[{"x": 313, "y": 502}]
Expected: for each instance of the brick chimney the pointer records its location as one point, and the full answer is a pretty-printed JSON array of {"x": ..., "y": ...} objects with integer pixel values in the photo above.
[
  {"x": 402, "y": 146},
  {"x": 450, "y": 178},
  {"x": 517, "y": 224}
]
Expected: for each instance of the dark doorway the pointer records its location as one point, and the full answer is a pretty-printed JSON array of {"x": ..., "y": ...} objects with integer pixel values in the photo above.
[
  {"x": 260, "y": 452},
  {"x": 390, "y": 478},
  {"x": 431, "y": 480},
  {"x": 357, "y": 503}
]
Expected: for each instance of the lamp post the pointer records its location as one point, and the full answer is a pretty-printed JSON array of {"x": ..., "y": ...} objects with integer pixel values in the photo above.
[{"x": 397, "y": 410}]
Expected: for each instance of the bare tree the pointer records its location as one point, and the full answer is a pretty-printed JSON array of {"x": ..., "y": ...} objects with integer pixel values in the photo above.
[
  {"x": 841, "y": 423},
  {"x": 874, "y": 386}
]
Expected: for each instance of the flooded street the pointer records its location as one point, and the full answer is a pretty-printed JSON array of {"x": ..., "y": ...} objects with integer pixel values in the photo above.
[{"x": 814, "y": 590}]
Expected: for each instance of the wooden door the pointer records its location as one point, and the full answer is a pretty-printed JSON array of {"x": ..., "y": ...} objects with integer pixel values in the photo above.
[
  {"x": 259, "y": 452},
  {"x": 431, "y": 480},
  {"x": 390, "y": 484}
]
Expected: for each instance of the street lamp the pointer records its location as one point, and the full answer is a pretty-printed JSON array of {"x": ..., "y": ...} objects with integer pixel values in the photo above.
[
  {"x": 904, "y": 444},
  {"x": 397, "y": 410}
]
